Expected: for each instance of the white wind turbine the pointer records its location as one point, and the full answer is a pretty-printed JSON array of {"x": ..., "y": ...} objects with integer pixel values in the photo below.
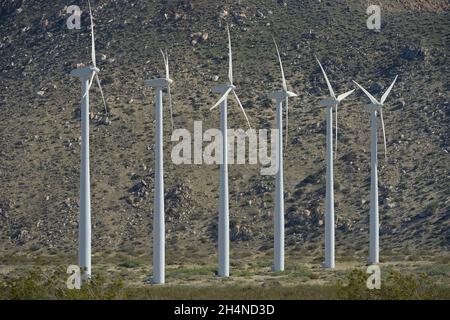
[
  {"x": 374, "y": 107},
  {"x": 280, "y": 96},
  {"x": 158, "y": 211},
  {"x": 224, "y": 232},
  {"x": 329, "y": 201},
  {"x": 86, "y": 75}
]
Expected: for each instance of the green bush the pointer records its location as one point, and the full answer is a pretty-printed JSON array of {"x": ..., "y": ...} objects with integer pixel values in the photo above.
[
  {"x": 44, "y": 284},
  {"x": 39, "y": 284},
  {"x": 129, "y": 264},
  {"x": 394, "y": 286}
]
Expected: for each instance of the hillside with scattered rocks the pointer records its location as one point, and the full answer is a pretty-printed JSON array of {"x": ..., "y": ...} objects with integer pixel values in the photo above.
[{"x": 40, "y": 125}]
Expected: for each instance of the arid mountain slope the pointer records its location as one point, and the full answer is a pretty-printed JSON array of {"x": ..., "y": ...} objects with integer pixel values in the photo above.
[{"x": 40, "y": 125}]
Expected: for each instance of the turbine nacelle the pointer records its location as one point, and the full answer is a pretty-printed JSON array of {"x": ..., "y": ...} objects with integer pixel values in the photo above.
[
  {"x": 373, "y": 107},
  {"x": 223, "y": 88},
  {"x": 279, "y": 95},
  {"x": 84, "y": 73},
  {"x": 159, "y": 82},
  {"x": 328, "y": 102}
]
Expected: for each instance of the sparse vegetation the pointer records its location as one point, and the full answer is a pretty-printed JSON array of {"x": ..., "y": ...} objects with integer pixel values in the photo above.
[
  {"x": 51, "y": 285},
  {"x": 129, "y": 264},
  {"x": 395, "y": 286}
]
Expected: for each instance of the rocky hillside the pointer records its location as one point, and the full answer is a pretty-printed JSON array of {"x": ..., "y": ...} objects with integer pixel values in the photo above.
[{"x": 40, "y": 124}]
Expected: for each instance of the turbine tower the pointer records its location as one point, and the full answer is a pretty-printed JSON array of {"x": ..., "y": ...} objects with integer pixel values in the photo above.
[
  {"x": 333, "y": 101},
  {"x": 224, "y": 228},
  {"x": 86, "y": 75},
  {"x": 280, "y": 96},
  {"x": 158, "y": 211},
  {"x": 373, "y": 108}
]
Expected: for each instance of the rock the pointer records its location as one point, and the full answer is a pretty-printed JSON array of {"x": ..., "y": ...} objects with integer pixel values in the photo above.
[
  {"x": 375, "y": 88},
  {"x": 106, "y": 121},
  {"x": 139, "y": 189},
  {"x": 223, "y": 13},
  {"x": 179, "y": 203},
  {"x": 44, "y": 23},
  {"x": 309, "y": 36},
  {"x": 240, "y": 233},
  {"x": 198, "y": 37},
  {"x": 135, "y": 202},
  {"x": 41, "y": 93},
  {"x": 413, "y": 53},
  {"x": 296, "y": 216},
  {"x": 389, "y": 203},
  {"x": 20, "y": 236},
  {"x": 307, "y": 213},
  {"x": 261, "y": 187},
  {"x": 317, "y": 216},
  {"x": 259, "y": 14},
  {"x": 215, "y": 78},
  {"x": 424, "y": 214}
]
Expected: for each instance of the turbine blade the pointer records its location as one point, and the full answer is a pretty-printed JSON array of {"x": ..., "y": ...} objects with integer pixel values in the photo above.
[
  {"x": 90, "y": 84},
  {"x": 230, "y": 57},
  {"x": 281, "y": 66},
  {"x": 223, "y": 97},
  {"x": 242, "y": 108},
  {"x": 384, "y": 133},
  {"x": 372, "y": 99},
  {"x": 94, "y": 60},
  {"x": 167, "y": 65},
  {"x": 344, "y": 95},
  {"x": 170, "y": 106},
  {"x": 101, "y": 92},
  {"x": 326, "y": 79},
  {"x": 386, "y": 94},
  {"x": 165, "y": 60}
]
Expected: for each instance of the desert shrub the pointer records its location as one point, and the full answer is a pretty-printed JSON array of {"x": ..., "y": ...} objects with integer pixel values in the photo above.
[
  {"x": 39, "y": 284},
  {"x": 129, "y": 264},
  {"x": 394, "y": 286}
]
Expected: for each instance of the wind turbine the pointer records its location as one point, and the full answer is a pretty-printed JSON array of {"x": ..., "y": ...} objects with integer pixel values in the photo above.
[
  {"x": 374, "y": 107},
  {"x": 333, "y": 101},
  {"x": 86, "y": 75},
  {"x": 279, "y": 96},
  {"x": 158, "y": 211},
  {"x": 224, "y": 230}
]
